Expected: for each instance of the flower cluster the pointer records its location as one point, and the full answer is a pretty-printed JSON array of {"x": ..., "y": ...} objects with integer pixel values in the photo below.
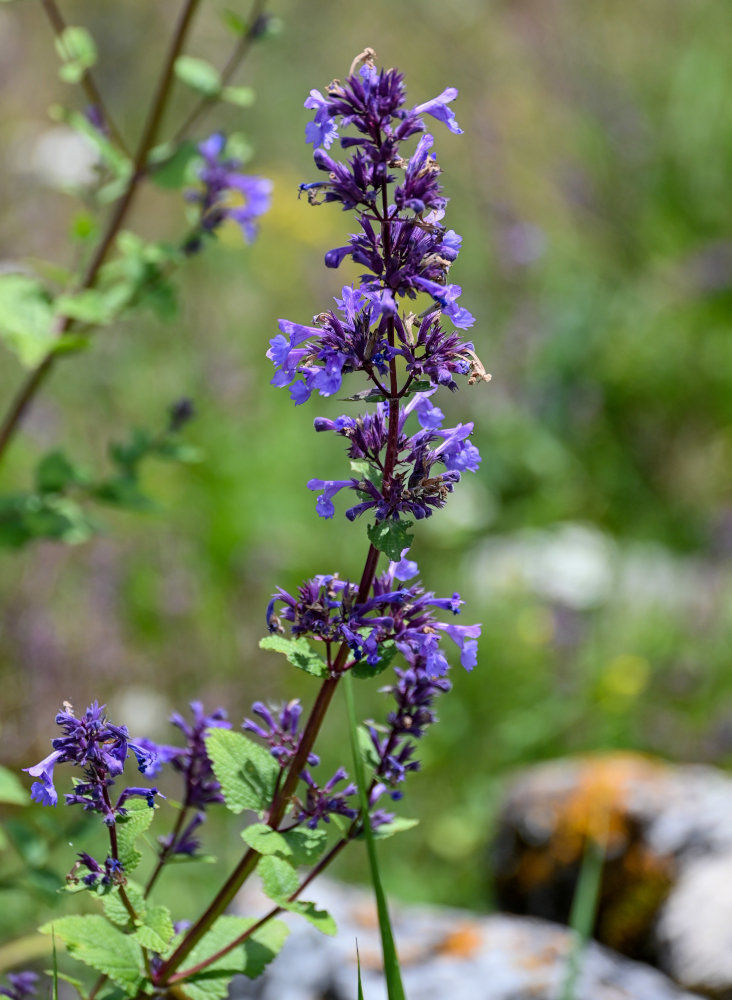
[
  {"x": 394, "y": 616},
  {"x": 404, "y": 248},
  {"x": 200, "y": 787},
  {"x": 22, "y": 985},
  {"x": 413, "y": 488},
  {"x": 101, "y": 749},
  {"x": 97, "y": 876},
  {"x": 279, "y": 730},
  {"x": 226, "y": 193}
]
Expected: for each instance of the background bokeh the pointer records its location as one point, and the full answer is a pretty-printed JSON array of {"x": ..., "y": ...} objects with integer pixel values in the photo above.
[{"x": 592, "y": 188}]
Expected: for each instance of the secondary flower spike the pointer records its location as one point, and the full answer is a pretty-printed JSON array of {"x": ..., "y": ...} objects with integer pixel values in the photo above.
[{"x": 100, "y": 748}]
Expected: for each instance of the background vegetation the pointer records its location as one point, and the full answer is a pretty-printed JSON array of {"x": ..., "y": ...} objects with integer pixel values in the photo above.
[{"x": 592, "y": 189}]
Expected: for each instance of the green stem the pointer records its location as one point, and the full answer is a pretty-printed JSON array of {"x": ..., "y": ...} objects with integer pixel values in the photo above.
[{"x": 391, "y": 960}]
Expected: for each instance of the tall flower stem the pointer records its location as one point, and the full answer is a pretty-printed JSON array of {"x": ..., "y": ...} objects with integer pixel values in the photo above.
[{"x": 35, "y": 380}]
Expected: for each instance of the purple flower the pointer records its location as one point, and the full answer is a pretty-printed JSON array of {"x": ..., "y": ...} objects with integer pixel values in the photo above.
[
  {"x": 192, "y": 760},
  {"x": 322, "y": 131},
  {"x": 322, "y": 803},
  {"x": 22, "y": 985},
  {"x": 438, "y": 108},
  {"x": 226, "y": 193},
  {"x": 279, "y": 730},
  {"x": 416, "y": 488},
  {"x": 100, "y": 749}
]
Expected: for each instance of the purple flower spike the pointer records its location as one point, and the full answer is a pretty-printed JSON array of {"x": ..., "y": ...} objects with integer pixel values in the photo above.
[
  {"x": 100, "y": 749},
  {"x": 192, "y": 761}
]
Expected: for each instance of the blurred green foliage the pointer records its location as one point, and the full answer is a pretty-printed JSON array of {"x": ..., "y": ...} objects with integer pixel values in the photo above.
[{"x": 592, "y": 190}]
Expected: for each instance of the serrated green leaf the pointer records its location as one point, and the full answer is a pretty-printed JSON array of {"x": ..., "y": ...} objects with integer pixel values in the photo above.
[
  {"x": 11, "y": 789},
  {"x": 116, "y": 911},
  {"x": 249, "y": 958},
  {"x": 320, "y": 919},
  {"x": 298, "y": 652},
  {"x": 364, "y": 670},
  {"x": 399, "y": 824},
  {"x": 390, "y": 537},
  {"x": 246, "y": 772},
  {"x": 97, "y": 943},
  {"x": 243, "y": 97},
  {"x": 279, "y": 878},
  {"x": 301, "y": 846},
  {"x": 199, "y": 75},
  {"x": 26, "y": 318},
  {"x": 156, "y": 931},
  {"x": 129, "y": 827},
  {"x": 55, "y": 473}
]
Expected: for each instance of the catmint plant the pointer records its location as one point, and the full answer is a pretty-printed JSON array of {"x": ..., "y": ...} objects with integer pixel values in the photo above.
[{"x": 398, "y": 331}]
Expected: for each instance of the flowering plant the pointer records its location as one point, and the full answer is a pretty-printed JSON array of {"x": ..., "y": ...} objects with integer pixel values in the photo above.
[{"x": 404, "y": 465}]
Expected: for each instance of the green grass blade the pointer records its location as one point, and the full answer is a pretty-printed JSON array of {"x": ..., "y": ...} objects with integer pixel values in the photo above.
[
  {"x": 358, "y": 966},
  {"x": 54, "y": 993},
  {"x": 584, "y": 908},
  {"x": 394, "y": 987}
]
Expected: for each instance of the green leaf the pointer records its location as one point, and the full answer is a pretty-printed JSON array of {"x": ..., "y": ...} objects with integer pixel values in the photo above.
[
  {"x": 246, "y": 772},
  {"x": 169, "y": 166},
  {"x": 364, "y": 670},
  {"x": 250, "y": 958},
  {"x": 129, "y": 827},
  {"x": 115, "y": 909},
  {"x": 90, "y": 306},
  {"x": 320, "y": 919},
  {"x": 279, "y": 878},
  {"x": 11, "y": 789},
  {"x": 391, "y": 537},
  {"x": 26, "y": 318},
  {"x": 236, "y": 24},
  {"x": 398, "y": 825},
  {"x": 243, "y": 97},
  {"x": 301, "y": 846},
  {"x": 97, "y": 943},
  {"x": 199, "y": 75},
  {"x": 54, "y": 473},
  {"x": 298, "y": 652},
  {"x": 156, "y": 932},
  {"x": 78, "y": 52}
]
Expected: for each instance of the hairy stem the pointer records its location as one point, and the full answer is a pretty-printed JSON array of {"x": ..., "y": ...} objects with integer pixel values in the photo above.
[
  {"x": 150, "y": 130},
  {"x": 321, "y": 866}
]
